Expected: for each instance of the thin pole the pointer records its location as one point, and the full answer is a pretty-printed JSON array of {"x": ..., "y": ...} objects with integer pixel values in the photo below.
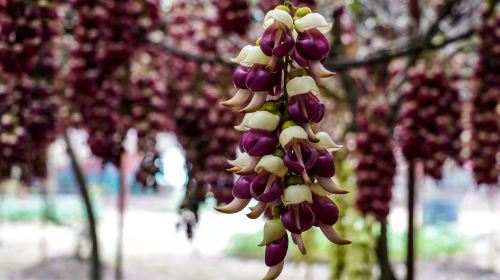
[
  {"x": 410, "y": 257},
  {"x": 82, "y": 186},
  {"x": 386, "y": 272},
  {"x": 122, "y": 195}
]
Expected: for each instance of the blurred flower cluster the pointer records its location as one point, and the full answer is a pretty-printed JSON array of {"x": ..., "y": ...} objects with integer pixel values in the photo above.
[
  {"x": 233, "y": 15},
  {"x": 429, "y": 125},
  {"x": 29, "y": 99},
  {"x": 485, "y": 136},
  {"x": 203, "y": 128},
  {"x": 113, "y": 82},
  {"x": 376, "y": 165}
]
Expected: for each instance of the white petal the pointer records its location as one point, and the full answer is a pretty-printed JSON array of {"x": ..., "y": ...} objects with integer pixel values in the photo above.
[
  {"x": 318, "y": 190},
  {"x": 301, "y": 85},
  {"x": 290, "y": 133},
  {"x": 242, "y": 159},
  {"x": 263, "y": 120},
  {"x": 243, "y": 54},
  {"x": 272, "y": 164},
  {"x": 313, "y": 20},
  {"x": 296, "y": 194},
  {"x": 325, "y": 142},
  {"x": 243, "y": 125},
  {"x": 278, "y": 15},
  {"x": 254, "y": 55},
  {"x": 273, "y": 230}
]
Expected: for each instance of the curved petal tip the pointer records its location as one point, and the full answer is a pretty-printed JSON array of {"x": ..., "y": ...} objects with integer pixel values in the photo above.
[
  {"x": 234, "y": 206},
  {"x": 274, "y": 271}
]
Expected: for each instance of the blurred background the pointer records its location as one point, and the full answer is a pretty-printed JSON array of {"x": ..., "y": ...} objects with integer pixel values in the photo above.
[{"x": 113, "y": 144}]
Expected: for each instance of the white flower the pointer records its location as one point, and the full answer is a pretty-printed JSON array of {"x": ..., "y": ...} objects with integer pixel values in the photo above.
[
  {"x": 295, "y": 194},
  {"x": 259, "y": 120},
  {"x": 251, "y": 55},
  {"x": 241, "y": 160},
  {"x": 290, "y": 133},
  {"x": 272, "y": 164},
  {"x": 301, "y": 85},
  {"x": 325, "y": 142},
  {"x": 278, "y": 15},
  {"x": 313, "y": 20}
]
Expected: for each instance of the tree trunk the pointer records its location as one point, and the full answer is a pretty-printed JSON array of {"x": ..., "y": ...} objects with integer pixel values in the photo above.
[
  {"x": 122, "y": 195},
  {"x": 410, "y": 257},
  {"x": 386, "y": 272},
  {"x": 82, "y": 186}
]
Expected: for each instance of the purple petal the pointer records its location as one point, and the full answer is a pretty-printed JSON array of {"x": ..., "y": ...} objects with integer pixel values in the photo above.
[
  {"x": 260, "y": 79},
  {"x": 239, "y": 77},
  {"x": 312, "y": 45},
  {"x": 306, "y": 216},
  {"x": 258, "y": 142},
  {"x": 300, "y": 60},
  {"x": 295, "y": 111},
  {"x": 292, "y": 163},
  {"x": 258, "y": 185},
  {"x": 267, "y": 41},
  {"x": 315, "y": 109},
  {"x": 324, "y": 167},
  {"x": 310, "y": 156},
  {"x": 284, "y": 47},
  {"x": 276, "y": 251},
  {"x": 273, "y": 193},
  {"x": 288, "y": 220},
  {"x": 241, "y": 188},
  {"x": 326, "y": 210}
]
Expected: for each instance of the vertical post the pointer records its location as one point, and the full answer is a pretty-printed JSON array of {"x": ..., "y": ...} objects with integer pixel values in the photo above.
[
  {"x": 44, "y": 218},
  {"x": 122, "y": 195},
  {"x": 410, "y": 254},
  {"x": 82, "y": 186},
  {"x": 386, "y": 272}
]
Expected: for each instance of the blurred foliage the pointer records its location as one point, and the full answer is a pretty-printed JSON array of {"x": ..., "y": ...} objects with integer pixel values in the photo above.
[
  {"x": 245, "y": 245},
  {"x": 357, "y": 260},
  {"x": 432, "y": 242}
]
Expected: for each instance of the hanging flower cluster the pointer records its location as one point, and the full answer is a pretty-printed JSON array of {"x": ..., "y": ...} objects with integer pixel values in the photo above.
[
  {"x": 107, "y": 34},
  {"x": 146, "y": 104},
  {"x": 203, "y": 128},
  {"x": 204, "y": 131},
  {"x": 284, "y": 163},
  {"x": 29, "y": 102},
  {"x": 376, "y": 165},
  {"x": 233, "y": 15},
  {"x": 428, "y": 126},
  {"x": 485, "y": 136}
]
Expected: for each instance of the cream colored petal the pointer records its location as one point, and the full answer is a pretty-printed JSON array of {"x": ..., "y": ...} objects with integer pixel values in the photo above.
[
  {"x": 253, "y": 56},
  {"x": 313, "y": 20},
  {"x": 263, "y": 120},
  {"x": 301, "y": 85},
  {"x": 290, "y": 133},
  {"x": 243, "y": 125},
  {"x": 273, "y": 230},
  {"x": 242, "y": 159},
  {"x": 318, "y": 190},
  {"x": 272, "y": 164},
  {"x": 325, "y": 142},
  {"x": 278, "y": 15},
  {"x": 295, "y": 194},
  {"x": 243, "y": 54}
]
